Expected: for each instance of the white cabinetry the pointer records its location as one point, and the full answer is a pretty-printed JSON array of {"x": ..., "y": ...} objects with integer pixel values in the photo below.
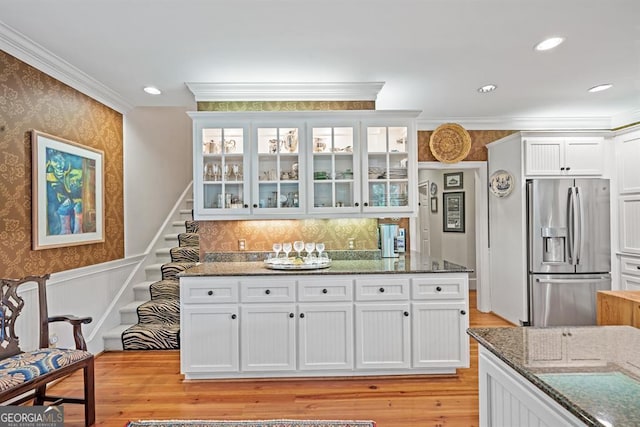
[
  {"x": 571, "y": 156},
  {"x": 304, "y": 164},
  {"x": 317, "y": 325}
]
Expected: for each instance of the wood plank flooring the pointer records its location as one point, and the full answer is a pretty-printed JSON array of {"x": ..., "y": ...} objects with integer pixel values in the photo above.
[{"x": 148, "y": 385}]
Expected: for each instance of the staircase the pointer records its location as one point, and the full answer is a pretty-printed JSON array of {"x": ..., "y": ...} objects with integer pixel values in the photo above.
[{"x": 152, "y": 320}]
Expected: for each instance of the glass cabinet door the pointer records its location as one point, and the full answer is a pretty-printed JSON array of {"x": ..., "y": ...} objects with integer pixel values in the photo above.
[
  {"x": 334, "y": 169},
  {"x": 223, "y": 167},
  {"x": 386, "y": 169},
  {"x": 279, "y": 168}
]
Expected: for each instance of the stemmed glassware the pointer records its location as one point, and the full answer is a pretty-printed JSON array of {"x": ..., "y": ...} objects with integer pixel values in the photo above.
[
  {"x": 286, "y": 247},
  {"x": 298, "y": 245},
  {"x": 235, "y": 168},
  {"x": 277, "y": 247},
  {"x": 309, "y": 247},
  {"x": 216, "y": 171},
  {"x": 320, "y": 249}
]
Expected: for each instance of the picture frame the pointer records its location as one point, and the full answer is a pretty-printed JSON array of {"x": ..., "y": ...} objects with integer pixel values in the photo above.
[
  {"x": 453, "y": 181},
  {"x": 434, "y": 205},
  {"x": 67, "y": 192},
  {"x": 453, "y": 212}
]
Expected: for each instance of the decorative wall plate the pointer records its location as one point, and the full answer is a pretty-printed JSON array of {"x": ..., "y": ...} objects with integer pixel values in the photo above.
[
  {"x": 433, "y": 188},
  {"x": 450, "y": 143},
  {"x": 501, "y": 183}
]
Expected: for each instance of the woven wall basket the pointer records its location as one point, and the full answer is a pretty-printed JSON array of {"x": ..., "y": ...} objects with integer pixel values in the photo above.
[{"x": 450, "y": 143}]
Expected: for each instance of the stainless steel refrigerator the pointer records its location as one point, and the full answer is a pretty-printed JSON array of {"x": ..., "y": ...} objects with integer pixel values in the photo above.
[{"x": 569, "y": 254}]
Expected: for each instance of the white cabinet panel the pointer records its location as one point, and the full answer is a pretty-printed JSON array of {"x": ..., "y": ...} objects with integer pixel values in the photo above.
[
  {"x": 382, "y": 289},
  {"x": 630, "y": 283},
  {"x": 268, "y": 290},
  {"x": 382, "y": 336},
  {"x": 325, "y": 336},
  {"x": 543, "y": 157},
  {"x": 630, "y": 265},
  {"x": 628, "y": 155},
  {"x": 571, "y": 156},
  {"x": 583, "y": 156},
  {"x": 268, "y": 337},
  {"x": 437, "y": 287},
  {"x": 629, "y": 208},
  {"x": 325, "y": 289}
]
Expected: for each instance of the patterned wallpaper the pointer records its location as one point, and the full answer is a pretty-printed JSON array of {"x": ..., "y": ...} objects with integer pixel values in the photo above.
[
  {"x": 30, "y": 99},
  {"x": 286, "y": 105},
  {"x": 479, "y": 140}
]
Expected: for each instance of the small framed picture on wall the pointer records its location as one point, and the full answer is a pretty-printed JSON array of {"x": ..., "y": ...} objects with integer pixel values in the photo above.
[
  {"x": 453, "y": 211},
  {"x": 434, "y": 205},
  {"x": 453, "y": 181}
]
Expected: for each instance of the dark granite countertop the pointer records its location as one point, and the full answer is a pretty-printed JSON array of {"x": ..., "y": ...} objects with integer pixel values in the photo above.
[
  {"x": 413, "y": 263},
  {"x": 592, "y": 371}
]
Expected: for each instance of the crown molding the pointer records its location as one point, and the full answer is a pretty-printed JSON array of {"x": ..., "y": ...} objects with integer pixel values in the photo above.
[
  {"x": 216, "y": 92},
  {"x": 628, "y": 118},
  {"x": 520, "y": 123},
  {"x": 28, "y": 51}
]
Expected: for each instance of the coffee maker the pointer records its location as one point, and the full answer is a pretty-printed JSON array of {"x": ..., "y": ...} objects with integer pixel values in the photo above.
[{"x": 387, "y": 235}]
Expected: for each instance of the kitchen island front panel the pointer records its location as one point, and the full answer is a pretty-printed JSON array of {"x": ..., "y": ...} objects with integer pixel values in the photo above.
[
  {"x": 315, "y": 325},
  {"x": 584, "y": 374}
]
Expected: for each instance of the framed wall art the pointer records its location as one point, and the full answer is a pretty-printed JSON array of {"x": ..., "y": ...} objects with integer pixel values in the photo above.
[
  {"x": 453, "y": 211},
  {"x": 453, "y": 181},
  {"x": 67, "y": 193},
  {"x": 434, "y": 205}
]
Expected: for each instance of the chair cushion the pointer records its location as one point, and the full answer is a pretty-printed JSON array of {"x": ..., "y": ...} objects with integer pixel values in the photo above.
[{"x": 24, "y": 367}]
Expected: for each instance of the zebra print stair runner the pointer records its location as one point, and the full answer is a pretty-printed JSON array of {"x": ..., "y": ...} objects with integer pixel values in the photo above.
[{"x": 158, "y": 326}]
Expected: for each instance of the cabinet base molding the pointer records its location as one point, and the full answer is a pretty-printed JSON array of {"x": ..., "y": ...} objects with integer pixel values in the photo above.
[{"x": 412, "y": 374}]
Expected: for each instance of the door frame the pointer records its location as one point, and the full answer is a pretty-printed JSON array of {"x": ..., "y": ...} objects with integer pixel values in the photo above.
[{"x": 483, "y": 294}]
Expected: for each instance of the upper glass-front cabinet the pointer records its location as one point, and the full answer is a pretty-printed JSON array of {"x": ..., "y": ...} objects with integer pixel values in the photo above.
[
  {"x": 279, "y": 165},
  {"x": 334, "y": 171},
  {"x": 222, "y": 168},
  {"x": 387, "y": 168}
]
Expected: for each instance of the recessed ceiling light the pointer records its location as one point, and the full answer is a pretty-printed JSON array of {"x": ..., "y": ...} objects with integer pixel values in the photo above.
[
  {"x": 600, "y": 88},
  {"x": 152, "y": 90},
  {"x": 487, "y": 88},
  {"x": 549, "y": 43}
]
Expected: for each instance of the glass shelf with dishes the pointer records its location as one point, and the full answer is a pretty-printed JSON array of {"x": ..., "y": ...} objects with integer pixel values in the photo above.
[
  {"x": 334, "y": 161},
  {"x": 278, "y": 169}
]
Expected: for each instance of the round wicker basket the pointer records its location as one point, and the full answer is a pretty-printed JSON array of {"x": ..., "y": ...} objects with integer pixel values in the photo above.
[{"x": 450, "y": 143}]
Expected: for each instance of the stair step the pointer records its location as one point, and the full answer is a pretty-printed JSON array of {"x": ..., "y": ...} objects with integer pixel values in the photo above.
[
  {"x": 171, "y": 237},
  {"x": 153, "y": 272},
  {"x": 142, "y": 290},
  {"x": 189, "y": 239},
  {"x": 179, "y": 226},
  {"x": 113, "y": 338},
  {"x": 185, "y": 254},
  {"x": 129, "y": 312},
  {"x": 165, "y": 289},
  {"x": 164, "y": 311},
  {"x": 186, "y": 214},
  {"x": 163, "y": 254},
  {"x": 152, "y": 337},
  {"x": 172, "y": 269}
]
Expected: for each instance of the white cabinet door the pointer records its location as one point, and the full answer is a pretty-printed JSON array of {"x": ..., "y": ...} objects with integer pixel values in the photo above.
[
  {"x": 543, "y": 156},
  {"x": 268, "y": 337},
  {"x": 583, "y": 156},
  {"x": 439, "y": 334},
  {"x": 629, "y": 209},
  {"x": 628, "y": 155},
  {"x": 325, "y": 336},
  {"x": 209, "y": 338},
  {"x": 382, "y": 336}
]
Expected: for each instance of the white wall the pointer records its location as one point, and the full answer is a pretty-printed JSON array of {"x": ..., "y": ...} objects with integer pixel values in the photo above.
[{"x": 157, "y": 168}]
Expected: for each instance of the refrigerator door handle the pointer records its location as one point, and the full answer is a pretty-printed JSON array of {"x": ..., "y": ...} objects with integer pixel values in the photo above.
[
  {"x": 580, "y": 227},
  {"x": 571, "y": 222},
  {"x": 571, "y": 280}
]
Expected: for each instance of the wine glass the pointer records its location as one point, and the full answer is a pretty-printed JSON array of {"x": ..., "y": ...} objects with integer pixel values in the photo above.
[
  {"x": 235, "y": 168},
  {"x": 277, "y": 247},
  {"x": 320, "y": 249},
  {"x": 286, "y": 247},
  {"x": 216, "y": 171},
  {"x": 298, "y": 245},
  {"x": 309, "y": 247}
]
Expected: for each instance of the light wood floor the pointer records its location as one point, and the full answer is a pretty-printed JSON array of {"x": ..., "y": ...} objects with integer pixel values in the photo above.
[{"x": 148, "y": 385}]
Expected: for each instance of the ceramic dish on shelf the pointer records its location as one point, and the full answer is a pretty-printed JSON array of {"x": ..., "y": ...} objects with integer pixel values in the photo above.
[
  {"x": 501, "y": 183},
  {"x": 297, "y": 263}
]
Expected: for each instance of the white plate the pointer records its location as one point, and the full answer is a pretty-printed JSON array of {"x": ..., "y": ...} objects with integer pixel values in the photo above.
[
  {"x": 501, "y": 183},
  {"x": 281, "y": 264}
]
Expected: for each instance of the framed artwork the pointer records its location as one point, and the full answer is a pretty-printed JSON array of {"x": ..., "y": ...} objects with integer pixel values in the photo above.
[
  {"x": 453, "y": 181},
  {"x": 453, "y": 211},
  {"x": 434, "y": 204},
  {"x": 67, "y": 193}
]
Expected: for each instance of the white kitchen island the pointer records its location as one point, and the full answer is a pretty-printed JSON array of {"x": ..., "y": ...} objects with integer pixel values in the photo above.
[{"x": 394, "y": 316}]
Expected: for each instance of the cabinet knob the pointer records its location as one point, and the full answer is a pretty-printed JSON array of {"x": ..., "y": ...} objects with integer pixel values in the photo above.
[
  {"x": 561, "y": 169},
  {"x": 381, "y": 289},
  {"x": 246, "y": 205},
  {"x": 255, "y": 205},
  {"x": 357, "y": 204},
  {"x": 233, "y": 316},
  {"x": 267, "y": 292},
  {"x": 638, "y": 267},
  {"x": 302, "y": 315},
  {"x": 406, "y": 314},
  {"x": 568, "y": 168},
  {"x": 210, "y": 293},
  {"x": 366, "y": 203},
  {"x": 438, "y": 288},
  {"x": 463, "y": 312},
  {"x": 291, "y": 315},
  {"x": 324, "y": 291}
]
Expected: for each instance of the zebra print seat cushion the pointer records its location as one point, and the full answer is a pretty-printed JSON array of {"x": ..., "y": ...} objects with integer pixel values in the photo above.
[{"x": 24, "y": 367}]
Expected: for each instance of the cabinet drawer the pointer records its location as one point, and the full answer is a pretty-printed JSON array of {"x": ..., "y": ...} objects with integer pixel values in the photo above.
[
  {"x": 437, "y": 288},
  {"x": 630, "y": 265},
  {"x": 203, "y": 291},
  {"x": 629, "y": 283},
  {"x": 382, "y": 289},
  {"x": 281, "y": 290},
  {"x": 325, "y": 289}
]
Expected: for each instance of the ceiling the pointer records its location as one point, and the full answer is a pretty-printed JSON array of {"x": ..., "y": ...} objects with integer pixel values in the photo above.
[{"x": 432, "y": 55}]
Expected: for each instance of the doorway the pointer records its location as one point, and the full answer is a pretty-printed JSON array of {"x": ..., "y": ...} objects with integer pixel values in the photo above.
[{"x": 426, "y": 228}]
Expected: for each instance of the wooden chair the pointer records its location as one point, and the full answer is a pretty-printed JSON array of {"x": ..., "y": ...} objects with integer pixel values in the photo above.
[{"x": 25, "y": 375}]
